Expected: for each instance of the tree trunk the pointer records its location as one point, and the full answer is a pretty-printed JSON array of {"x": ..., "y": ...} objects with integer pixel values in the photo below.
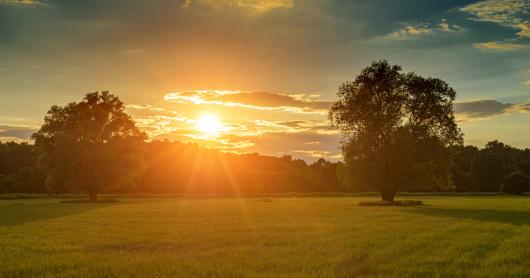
[
  {"x": 92, "y": 194},
  {"x": 388, "y": 195}
]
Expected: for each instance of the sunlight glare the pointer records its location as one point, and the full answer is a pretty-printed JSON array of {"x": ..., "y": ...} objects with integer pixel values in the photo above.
[{"x": 209, "y": 124}]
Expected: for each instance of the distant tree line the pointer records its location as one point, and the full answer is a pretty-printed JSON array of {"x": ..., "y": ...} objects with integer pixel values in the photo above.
[
  {"x": 176, "y": 167},
  {"x": 485, "y": 169},
  {"x": 18, "y": 169}
]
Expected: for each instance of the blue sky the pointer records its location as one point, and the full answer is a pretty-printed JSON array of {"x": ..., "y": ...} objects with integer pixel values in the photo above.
[{"x": 268, "y": 69}]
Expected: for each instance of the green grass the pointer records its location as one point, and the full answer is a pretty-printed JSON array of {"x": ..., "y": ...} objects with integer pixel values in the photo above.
[{"x": 266, "y": 236}]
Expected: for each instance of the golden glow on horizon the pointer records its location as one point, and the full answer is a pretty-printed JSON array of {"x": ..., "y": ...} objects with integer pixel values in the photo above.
[{"x": 209, "y": 124}]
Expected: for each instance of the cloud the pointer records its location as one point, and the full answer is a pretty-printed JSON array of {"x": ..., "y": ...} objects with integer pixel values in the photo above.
[
  {"x": 524, "y": 107},
  {"x": 421, "y": 29},
  {"x": 253, "y": 6},
  {"x": 524, "y": 28},
  {"x": 295, "y": 124},
  {"x": 21, "y": 2},
  {"x": 320, "y": 154},
  {"x": 306, "y": 145},
  {"x": 510, "y": 13},
  {"x": 253, "y": 100},
  {"x": 10, "y": 132},
  {"x": 498, "y": 46},
  {"x": 411, "y": 31},
  {"x": 483, "y": 109}
]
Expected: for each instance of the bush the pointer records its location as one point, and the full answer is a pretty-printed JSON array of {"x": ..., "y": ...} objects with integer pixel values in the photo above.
[{"x": 516, "y": 183}]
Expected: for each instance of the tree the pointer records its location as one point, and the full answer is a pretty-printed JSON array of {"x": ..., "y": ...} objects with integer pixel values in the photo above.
[
  {"x": 14, "y": 156},
  {"x": 396, "y": 128},
  {"x": 25, "y": 180},
  {"x": 490, "y": 166},
  {"x": 461, "y": 169},
  {"x": 516, "y": 183},
  {"x": 92, "y": 145}
]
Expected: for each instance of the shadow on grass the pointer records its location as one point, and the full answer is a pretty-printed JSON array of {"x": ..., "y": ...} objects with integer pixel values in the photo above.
[
  {"x": 487, "y": 215},
  {"x": 14, "y": 214}
]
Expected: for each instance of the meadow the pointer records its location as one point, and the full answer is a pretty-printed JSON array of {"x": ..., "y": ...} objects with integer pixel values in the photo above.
[{"x": 290, "y": 236}]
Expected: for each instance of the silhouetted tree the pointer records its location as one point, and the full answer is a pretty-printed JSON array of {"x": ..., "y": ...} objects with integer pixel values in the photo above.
[
  {"x": 516, "y": 183},
  {"x": 326, "y": 173},
  {"x": 489, "y": 167},
  {"x": 92, "y": 145},
  {"x": 25, "y": 180},
  {"x": 14, "y": 156},
  {"x": 461, "y": 170},
  {"x": 397, "y": 128}
]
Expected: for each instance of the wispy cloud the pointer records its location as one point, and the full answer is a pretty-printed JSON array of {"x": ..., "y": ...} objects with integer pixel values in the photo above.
[
  {"x": 411, "y": 31},
  {"x": 253, "y": 6},
  {"x": 499, "y": 46},
  {"x": 302, "y": 144},
  {"x": 421, "y": 29},
  {"x": 298, "y": 103},
  {"x": 510, "y": 13},
  {"x": 320, "y": 154},
  {"x": 21, "y": 2}
]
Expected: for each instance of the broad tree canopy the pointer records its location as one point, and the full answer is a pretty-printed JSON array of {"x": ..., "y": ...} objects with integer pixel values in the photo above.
[
  {"x": 92, "y": 145},
  {"x": 396, "y": 129}
]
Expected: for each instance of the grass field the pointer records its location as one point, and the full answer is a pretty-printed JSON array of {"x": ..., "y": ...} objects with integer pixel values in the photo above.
[{"x": 273, "y": 236}]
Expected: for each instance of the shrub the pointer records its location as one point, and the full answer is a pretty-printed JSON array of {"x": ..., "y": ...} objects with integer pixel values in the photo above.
[{"x": 516, "y": 183}]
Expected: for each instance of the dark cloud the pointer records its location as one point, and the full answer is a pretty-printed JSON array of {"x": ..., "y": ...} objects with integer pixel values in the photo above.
[
  {"x": 480, "y": 109},
  {"x": 295, "y": 123},
  {"x": 19, "y": 132}
]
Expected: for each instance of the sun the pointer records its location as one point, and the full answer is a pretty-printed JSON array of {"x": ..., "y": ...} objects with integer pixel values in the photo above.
[{"x": 209, "y": 124}]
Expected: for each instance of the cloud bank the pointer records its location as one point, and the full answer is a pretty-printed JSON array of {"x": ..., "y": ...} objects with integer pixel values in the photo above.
[{"x": 296, "y": 103}]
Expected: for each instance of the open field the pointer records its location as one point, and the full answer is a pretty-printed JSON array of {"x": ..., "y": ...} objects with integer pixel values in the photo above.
[{"x": 269, "y": 236}]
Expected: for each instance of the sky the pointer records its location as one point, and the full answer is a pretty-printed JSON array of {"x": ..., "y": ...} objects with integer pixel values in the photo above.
[{"x": 266, "y": 71}]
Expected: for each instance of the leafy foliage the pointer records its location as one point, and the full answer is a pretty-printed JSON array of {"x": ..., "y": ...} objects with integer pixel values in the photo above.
[
  {"x": 14, "y": 156},
  {"x": 516, "y": 183},
  {"x": 483, "y": 169},
  {"x": 397, "y": 128},
  {"x": 92, "y": 145},
  {"x": 17, "y": 170}
]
